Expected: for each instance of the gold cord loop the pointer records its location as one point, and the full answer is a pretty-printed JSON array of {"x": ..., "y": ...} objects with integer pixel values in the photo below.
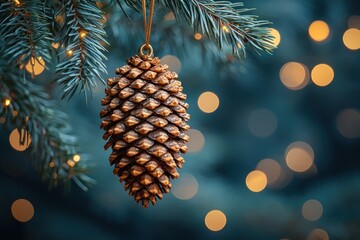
[{"x": 147, "y": 27}]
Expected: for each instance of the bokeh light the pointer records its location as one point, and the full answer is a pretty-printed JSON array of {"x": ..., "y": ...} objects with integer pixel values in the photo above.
[
  {"x": 354, "y": 22},
  {"x": 76, "y": 158},
  {"x": 196, "y": 142},
  {"x": 186, "y": 187},
  {"x": 262, "y": 123},
  {"x": 318, "y": 234},
  {"x": 351, "y": 39},
  {"x": 312, "y": 210},
  {"x": 15, "y": 139},
  {"x": 322, "y": 75},
  {"x": 55, "y": 45},
  {"x": 319, "y": 31},
  {"x": 35, "y": 66},
  {"x": 348, "y": 123},
  {"x": 299, "y": 156},
  {"x": 277, "y": 37},
  {"x": 6, "y": 102},
  {"x": 70, "y": 163},
  {"x": 294, "y": 75},
  {"x": 22, "y": 210},
  {"x": 271, "y": 168},
  {"x": 198, "y": 36},
  {"x": 208, "y": 102},
  {"x": 173, "y": 63},
  {"x": 215, "y": 220},
  {"x": 256, "y": 181},
  {"x": 69, "y": 53}
]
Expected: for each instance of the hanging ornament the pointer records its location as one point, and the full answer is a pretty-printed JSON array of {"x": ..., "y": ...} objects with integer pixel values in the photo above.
[{"x": 144, "y": 119}]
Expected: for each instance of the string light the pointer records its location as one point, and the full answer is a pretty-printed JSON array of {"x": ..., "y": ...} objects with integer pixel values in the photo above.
[
  {"x": 6, "y": 102},
  {"x": 70, "y": 163},
  {"x": 15, "y": 113},
  {"x": 319, "y": 31},
  {"x": 322, "y": 75},
  {"x": 256, "y": 181},
  {"x": 69, "y": 53},
  {"x": 76, "y": 158},
  {"x": 22, "y": 210},
  {"x": 208, "y": 102},
  {"x": 299, "y": 156},
  {"x": 277, "y": 37},
  {"x": 52, "y": 164},
  {"x": 226, "y": 28},
  {"x": 55, "y": 45},
  {"x": 215, "y": 220},
  {"x": 17, "y": 3},
  {"x": 83, "y": 33},
  {"x": 351, "y": 39},
  {"x": 198, "y": 36}
]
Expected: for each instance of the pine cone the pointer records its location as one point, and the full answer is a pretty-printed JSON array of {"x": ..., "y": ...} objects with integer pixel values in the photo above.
[{"x": 145, "y": 119}]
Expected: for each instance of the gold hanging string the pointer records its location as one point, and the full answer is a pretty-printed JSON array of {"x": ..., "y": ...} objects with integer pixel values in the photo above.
[{"x": 147, "y": 26}]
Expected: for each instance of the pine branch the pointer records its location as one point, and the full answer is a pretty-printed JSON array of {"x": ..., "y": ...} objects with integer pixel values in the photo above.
[
  {"x": 52, "y": 149},
  {"x": 82, "y": 34},
  {"x": 24, "y": 29},
  {"x": 223, "y": 21}
]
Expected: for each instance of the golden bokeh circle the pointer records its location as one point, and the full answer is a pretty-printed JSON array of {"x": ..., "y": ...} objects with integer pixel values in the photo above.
[
  {"x": 22, "y": 210},
  {"x": 271, "y": 168},
  {"x": 312, "y": 210},
  {"x": 215, "y": 220},
  {"x": 294, "y": 75},
  {"x": 348, "y": 123},
  {"x": 318, "y": 234},
  {"x": 351, "y": 39},
  {"x": 186, "y": 187},
  {"x": 256, "y": 181},
  {"x": 173, "y": 62},
  {"x": 208, "y": 102},
  {"x": 299, "y": 156},
  {"x": 15, "y": 138},
  {"x": 319, "y": 31},
  {"x": 277, "y": 37},
  {"x": 35, "y": 65},
  {"x": 198, "y": 36},
  {"x": 322, "y": 75},
  {"x": 196, "y": 142}
]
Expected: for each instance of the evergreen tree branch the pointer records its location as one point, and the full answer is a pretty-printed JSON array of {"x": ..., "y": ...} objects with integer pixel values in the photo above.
[
  {"x": 223, "y": 21},
  {"x": 24, "y": 29},
  {"x": 82, "y": 35},
  {"x": 52, "y": 148}
]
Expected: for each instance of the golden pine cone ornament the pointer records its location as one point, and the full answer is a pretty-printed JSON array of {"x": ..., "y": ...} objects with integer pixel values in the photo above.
[{"x": 145, "y": 120}]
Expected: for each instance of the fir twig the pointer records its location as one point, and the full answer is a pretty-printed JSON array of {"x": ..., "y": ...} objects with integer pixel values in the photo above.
[
  {"x": 52, "y": 149},
  {"x": 224, "y": 21},
  {"x": 82, "y": 36},
  {"x": 24, "y": 28}
]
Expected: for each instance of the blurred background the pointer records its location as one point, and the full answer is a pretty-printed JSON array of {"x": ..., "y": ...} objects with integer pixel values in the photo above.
[{"x": 275, "y": 139}]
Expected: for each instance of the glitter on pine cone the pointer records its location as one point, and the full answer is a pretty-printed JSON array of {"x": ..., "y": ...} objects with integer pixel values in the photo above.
[{"x": 144, "y": 119}]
